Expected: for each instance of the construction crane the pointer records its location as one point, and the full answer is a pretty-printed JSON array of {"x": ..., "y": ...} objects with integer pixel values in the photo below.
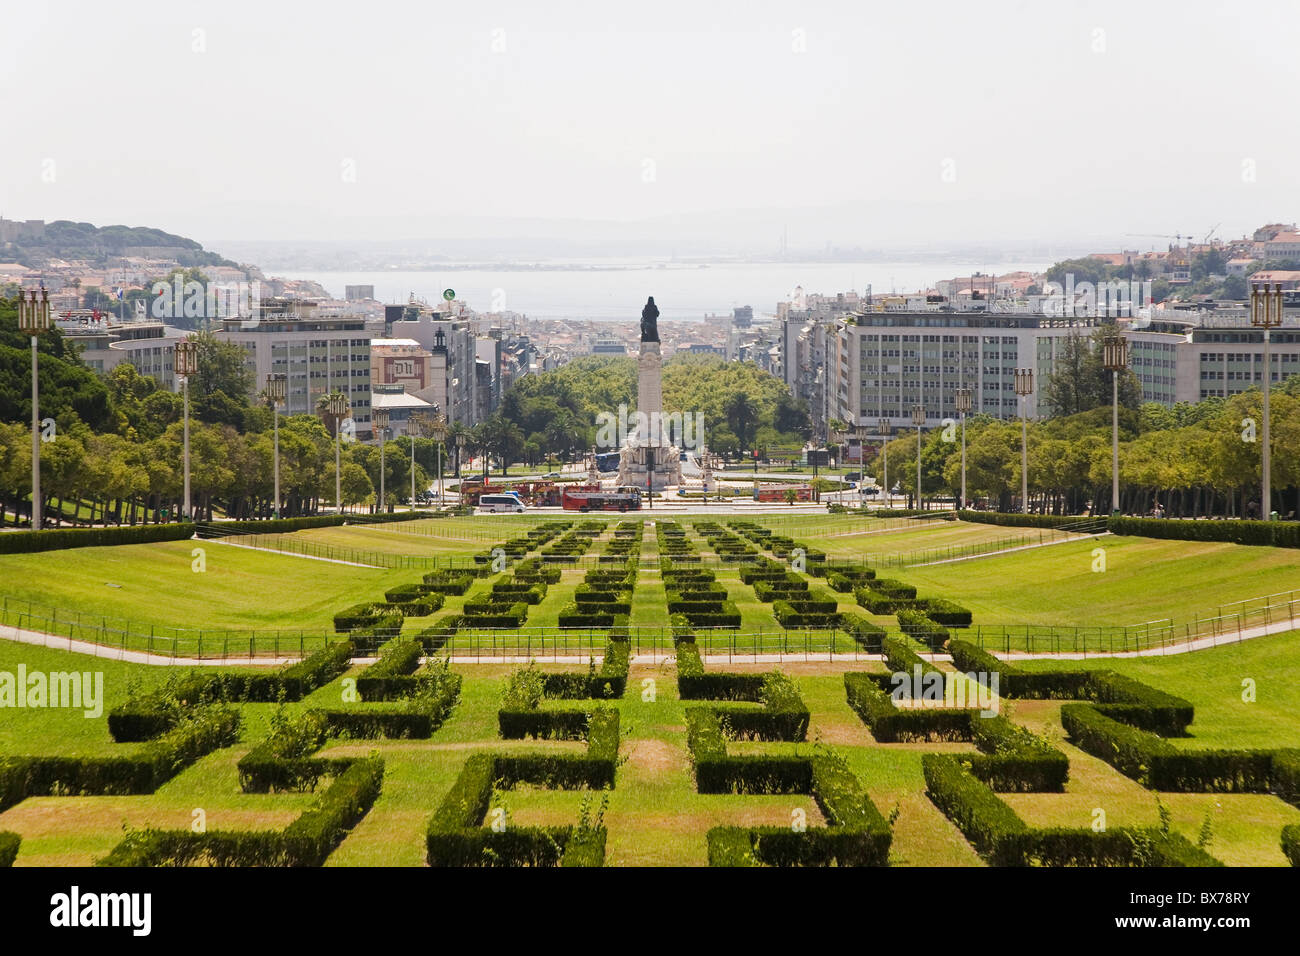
[
  {"x": 1213, "y": 230},
  {"x": 1177, "y": 237}
]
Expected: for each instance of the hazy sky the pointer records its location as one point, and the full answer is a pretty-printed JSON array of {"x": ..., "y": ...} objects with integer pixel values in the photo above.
[{"x": 372, "y": 120}]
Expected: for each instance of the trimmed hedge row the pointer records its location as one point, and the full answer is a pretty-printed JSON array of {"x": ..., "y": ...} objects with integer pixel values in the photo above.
[
  {"x": 1003, "y": 839},
  {"x": 1290, "y": 843},
  {"x": 945, "y": 612},
  {"x": 55, "y": 539},
  {"x": 901, "y": 658},
  {"x": 308, "y": 841},
  {"x": 9, "y": 843},
  {"x": 567, "y": 770},
  {"x": 142, "y": 771},
  {"x": 797, "y": 614},
  {"x": 1277, "y": 534},
  {"x": 608, "y": 683},
  {"x": 144, "y": 718},
  {"x": 694, "y": 683},
  {"x": 889, "y": 723},
  {"x": 868, "y": 635},
  {"x": 1120, "y": 697},
  {"x": 1017, "y": 520},
  {"x": 370, "y": 614},
  {"x": 390, "y": 676},
  {"x": 414, "y": 717},
  {"x": 919, "y": 626},
  {"x": 455, "y": 835},
  {"x": 1157, "y": 764}
]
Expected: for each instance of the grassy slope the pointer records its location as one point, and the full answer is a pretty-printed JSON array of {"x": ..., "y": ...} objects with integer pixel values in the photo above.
[
  {"x": 1145, "y": 579},
  {"x": 156, "y": 584}
]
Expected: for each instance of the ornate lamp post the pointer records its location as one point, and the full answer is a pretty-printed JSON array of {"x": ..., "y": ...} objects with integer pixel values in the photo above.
[
  {"x": 379, "y": 418},
  {"x": 34, "y": 318},
  {"x": 460, "y": 450},
  {"x": 918, "y": 419},
  {"x": 339, "y": 409},
  {"x": 416, "y": 426},
  {"x": 963, "y": 401},
  {"x": 438, "y": 432},
  {"x": 277, "y": 390},
  {"x": 1115, "y": 359},
  {"x": 884, "y": 453},
  {"x": 186, "y": 364},
  {"x": 1024, "y": 386},
  {"x": 1265, "y": 313}
]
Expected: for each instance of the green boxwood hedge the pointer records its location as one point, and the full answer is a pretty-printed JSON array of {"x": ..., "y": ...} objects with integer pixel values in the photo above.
[
  {"x": 1277, "y": 534},
  {"x": 9, "y": 843},
  {"x": 308, "y": 841}
]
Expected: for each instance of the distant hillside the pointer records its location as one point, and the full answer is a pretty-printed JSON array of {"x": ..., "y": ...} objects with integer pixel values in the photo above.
[{"x": 64, "y": 239}]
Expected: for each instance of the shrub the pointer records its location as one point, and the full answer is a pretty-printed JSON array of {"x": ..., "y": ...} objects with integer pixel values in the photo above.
[
  {"x": 946, "y": 612},
  {"x": 869, "y": 636},
  {"x": 992, "y": 827},
  {"x": 54, "y": 539},
  {"x": 1290, "y": 843},
  {"x": 889, "y": 723},
  {"x": 1278, "y": 534},
  {"x": 900, "y": 658},
  {"x": 918, "y": 625},
  {"x": 308, "y": 841},
  {"x": 202, "y": 731},
  {"x": 9, "y": 843},
  {"x": 415, "y": 716}
]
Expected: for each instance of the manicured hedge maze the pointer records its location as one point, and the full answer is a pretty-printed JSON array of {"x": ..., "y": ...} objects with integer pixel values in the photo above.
[
  {"x": 143, "y": 770},
  {"x": 857, "y": 835},
  {"x": 308, "y": 841},
  {"x": 146, "y": 717}
]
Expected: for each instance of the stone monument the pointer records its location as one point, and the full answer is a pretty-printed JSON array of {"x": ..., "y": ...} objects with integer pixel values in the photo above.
[{"x": 649, "y": 459}]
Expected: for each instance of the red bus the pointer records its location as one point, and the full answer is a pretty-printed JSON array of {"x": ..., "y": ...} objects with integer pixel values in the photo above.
[
  {"x": 801, "y": 493},
  {"x": 596, "y": 500}
]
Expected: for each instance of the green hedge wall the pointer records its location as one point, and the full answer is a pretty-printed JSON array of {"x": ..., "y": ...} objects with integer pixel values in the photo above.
[
  {"x": 1003, "y": 839},
  {"x": 1016, "y": 520},
  {"x": 455, "y": 835},
  {"x": 1277, "y": 534},
  {"x": 55, "y": 539},
  {"x": 9, "y": 843},
  {"x": 891, "y": 724},
  {"x": 308, "y": 841},
  {"x": 1290, "y": 843},
  {"x": 141, "y": 771}
]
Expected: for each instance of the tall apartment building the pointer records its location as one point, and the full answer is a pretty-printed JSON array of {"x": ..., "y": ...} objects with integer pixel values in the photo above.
[
  {"x": 320, "y": 353},
  {"x": 866, "y": 366},
  {"x": 107, "y": 343},
  {"x": 453, "y": 356}
]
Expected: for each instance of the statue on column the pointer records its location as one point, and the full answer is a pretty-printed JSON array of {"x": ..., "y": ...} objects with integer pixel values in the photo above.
[{"x": 650, "y": 321}]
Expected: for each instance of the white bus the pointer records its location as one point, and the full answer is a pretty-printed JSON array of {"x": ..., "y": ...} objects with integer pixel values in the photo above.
[{"x": 494, "y": 503}]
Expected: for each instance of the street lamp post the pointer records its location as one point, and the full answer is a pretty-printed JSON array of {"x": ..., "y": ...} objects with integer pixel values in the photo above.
[
  {"x": 963, "y": 401},
  {"x": 460, "y": 451},
  {"x": 186, "y": 364},
  {"x": 884, "y": 454},
  {"x": 277, "y": 390},
  {"x": 1024, "y": 386},
  {"x": 1115, "y": 360},
  {"x": 416, "y": 427},
  {"x": 339, "y": 408},
  {"x": 1265, "y": 313},
  {"x": 438, "y": 432},
  {"x": 34, "y": 318},
  {"x": 918, "y": 419},
  {"x": 379, "y": 418}
]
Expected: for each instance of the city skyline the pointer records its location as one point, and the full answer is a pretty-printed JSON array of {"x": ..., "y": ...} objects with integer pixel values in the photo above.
[{"x": 739, "y": 125}]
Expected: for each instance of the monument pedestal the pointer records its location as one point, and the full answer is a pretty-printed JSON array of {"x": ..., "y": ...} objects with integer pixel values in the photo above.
[{"x": 649, "y": 459}]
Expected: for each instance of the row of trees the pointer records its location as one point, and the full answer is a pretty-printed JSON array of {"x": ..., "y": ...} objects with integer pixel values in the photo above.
[
  {"x": 1192, "y": 460},
  {"x": 90, "y": 477},
  {"x": 559, "y": 412}
]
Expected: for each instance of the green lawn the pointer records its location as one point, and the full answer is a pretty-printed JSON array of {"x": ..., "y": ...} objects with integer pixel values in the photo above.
[
  {"x": 1145, "y": 579},
  {"x": 654, "y": 816}
]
